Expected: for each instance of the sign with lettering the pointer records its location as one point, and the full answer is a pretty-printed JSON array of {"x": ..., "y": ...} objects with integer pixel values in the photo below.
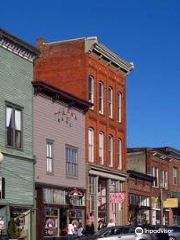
[
  {"x": 65, "y": 114},
  {"x": 75, "y": 194},
  {"x": 117, "y": 197}
]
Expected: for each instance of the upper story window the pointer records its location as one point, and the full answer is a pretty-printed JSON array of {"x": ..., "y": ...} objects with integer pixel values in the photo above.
[
  {"x": 119, "y": 153},
  {"x": 110, "y": 102},
  {"x": 101, "y": 148},
  {"x": 110, "y": 150},
  {"x": 49, "y": 157},
  {"x": 119, "y": 106},
  {"x": 91, "y": 144},
  {"x": 164, "y": 179},
  {"x": 155, "y": 174},
  {"x": 91, "y": 90},
  {"x": 14, "y": 126},
  {"x": 175, "y": 176},
  {"x": 71, "y": 161},
  {"x": 101, "y": 97}
]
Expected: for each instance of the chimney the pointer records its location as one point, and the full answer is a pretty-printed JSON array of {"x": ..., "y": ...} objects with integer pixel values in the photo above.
[{"x": 40, "y": 41}]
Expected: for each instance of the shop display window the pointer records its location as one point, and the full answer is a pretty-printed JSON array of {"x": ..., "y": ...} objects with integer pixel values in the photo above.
[{"x": 51, "y": 222}]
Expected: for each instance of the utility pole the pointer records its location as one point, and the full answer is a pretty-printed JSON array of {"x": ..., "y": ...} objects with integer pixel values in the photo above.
[{"x": 161, "y": 206}]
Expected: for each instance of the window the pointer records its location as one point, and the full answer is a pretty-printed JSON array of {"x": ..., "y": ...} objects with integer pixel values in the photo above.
[
  {"x": 110, "y": 150},
  {"x": 155, "y": 174},
  {"x": 119, "y": 153},
  {"x": 164, "y": 179},
  {"x": 91, "y": 144},
  {"x": 119, "y": 107},
  {"x": 175, "y": 172},
  {"x": 101, "y": 147},
  {"x": 49, "y": 161},
  {"x": 13, "y": 126},
  {"x": 71, "y": 162},
  {"x": 91, "y": 90},
  {"x": 110, "y": 102},
  {"x": 101, "y": 89}
]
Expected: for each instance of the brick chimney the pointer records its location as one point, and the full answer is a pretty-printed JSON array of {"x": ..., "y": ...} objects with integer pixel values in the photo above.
[{"x": 40, "y": 41}]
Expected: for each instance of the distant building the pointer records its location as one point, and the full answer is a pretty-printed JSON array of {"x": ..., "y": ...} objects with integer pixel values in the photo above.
[
  {"x": 163, "y": 164},
  {"x": 59, "y": 147},
  {"x": 16, "y": 140},
  {"x": 89, "y": 70}
]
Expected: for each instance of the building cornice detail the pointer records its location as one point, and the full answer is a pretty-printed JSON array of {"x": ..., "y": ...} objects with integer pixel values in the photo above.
[{"x": 17, "y": 49}]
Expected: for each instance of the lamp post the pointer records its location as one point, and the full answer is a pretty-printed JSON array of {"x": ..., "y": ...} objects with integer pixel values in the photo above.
[{"x": 161, "y": 203}]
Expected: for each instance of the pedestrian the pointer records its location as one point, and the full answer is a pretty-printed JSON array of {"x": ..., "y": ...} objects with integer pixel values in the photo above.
[
  {"x": 89, "y": 229},
  {"x": 100, "y": 224},
  {"x": 111, "y": 223},
  {"x": 70, "y": 231},
  {"x": 80, "y": 230}
]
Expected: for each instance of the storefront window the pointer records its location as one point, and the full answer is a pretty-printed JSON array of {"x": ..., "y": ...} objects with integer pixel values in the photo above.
[{"x": 51, "y": 227}]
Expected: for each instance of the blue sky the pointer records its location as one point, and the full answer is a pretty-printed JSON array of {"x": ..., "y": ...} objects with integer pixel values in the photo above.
[{"x": 146, "y": 32}]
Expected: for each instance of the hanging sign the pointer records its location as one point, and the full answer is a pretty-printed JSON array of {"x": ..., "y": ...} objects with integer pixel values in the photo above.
[
  {"x": 75, "y": 194},
  {"x": 117, "y": 197}
]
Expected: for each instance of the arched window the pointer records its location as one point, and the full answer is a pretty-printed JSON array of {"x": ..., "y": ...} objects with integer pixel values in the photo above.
[
  {"x": 101, "y": 148},
  {"x": 91, "y": 144},
  {"x": 91, "y": 90},
  {"x": 110, "y": 102},
  {"x": 119, "y": 106},
  {"x": 110, "y": 150},
  {"x": 101, "y": 97},
  {"x": 119, "y": 153}
]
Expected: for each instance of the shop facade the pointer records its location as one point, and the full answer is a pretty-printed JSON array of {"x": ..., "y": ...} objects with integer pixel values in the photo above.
[
  {"x": 107, "y": 195},
  {"x": 17, "y": 168},
  {"x": 59, "y": 147}
]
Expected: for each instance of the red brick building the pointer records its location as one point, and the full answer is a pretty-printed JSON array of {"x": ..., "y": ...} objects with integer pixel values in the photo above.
[
  {"x": 164, "y": 165},
  {"x": 89, "y": 70}
]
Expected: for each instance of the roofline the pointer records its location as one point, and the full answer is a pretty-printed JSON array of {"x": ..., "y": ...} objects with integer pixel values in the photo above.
[
  {"x": 140, "y": 175},
  {"x": 59, "y": 94},
  {"x": 6, "y": 34},
  {"x": 71, "y": 39}
]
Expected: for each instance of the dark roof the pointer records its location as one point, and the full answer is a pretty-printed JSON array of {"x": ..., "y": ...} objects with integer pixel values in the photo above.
[
  {"x": 11, "y": 37},
  {"x": 140, "y": 175},
  {"x": 171, "y": 152},
  {"x": 59, "y": 94}
]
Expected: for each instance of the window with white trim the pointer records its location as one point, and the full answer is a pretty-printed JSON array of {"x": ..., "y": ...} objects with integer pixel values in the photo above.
[
  {"x": 164, "y": 179},
  {"x": 155, "y": 174},
  {"x": 101, "y": 97},
  {"x": 49, "y": 157},
  {"x": 101, "y": 148},
  {"x": 119, "y": 106},
  {"x": 119, "y": 153},
  {"x": 14, "y": 126},
  {"x": 71, "y": 161},
  {"x": 175, "y": 176},
  {"x": 91, "y": 144},
  {"x": 110, "y": 102},
  {"x": 91, "y": 90},
  {"x": 110, "y": 150}
]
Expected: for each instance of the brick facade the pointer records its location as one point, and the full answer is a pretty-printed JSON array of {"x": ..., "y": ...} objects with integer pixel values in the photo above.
[{"x": 67, "y": 65}]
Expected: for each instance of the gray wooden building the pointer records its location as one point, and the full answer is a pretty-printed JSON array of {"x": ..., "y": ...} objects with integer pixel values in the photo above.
[{"x": 16, "y": 141}]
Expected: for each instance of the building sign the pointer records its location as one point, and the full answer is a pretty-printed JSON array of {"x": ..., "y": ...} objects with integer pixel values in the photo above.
[
  {"x": 75, "y": 194},
  {"x": 66, "y": 115},
  {"x": 171, "y": 203},
  {"x": 117, "y": 197}
]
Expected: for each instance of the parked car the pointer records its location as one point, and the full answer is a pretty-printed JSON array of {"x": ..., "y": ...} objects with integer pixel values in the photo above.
[
  {"x": 175, "y": 233},
  {"x": 126, "y": 233}
]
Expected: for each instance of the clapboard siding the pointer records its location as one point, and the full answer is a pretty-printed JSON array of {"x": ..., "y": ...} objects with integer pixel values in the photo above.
[
  {"x": 46, "y": 126},
  {"x": 16, "y": 75}
]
